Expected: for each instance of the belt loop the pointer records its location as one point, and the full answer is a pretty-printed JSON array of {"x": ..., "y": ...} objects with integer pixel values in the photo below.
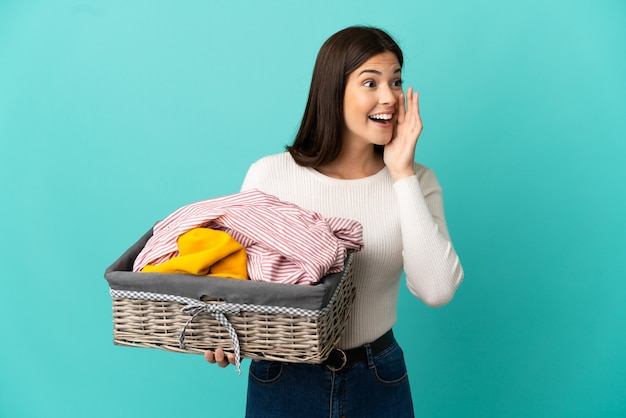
[{"x": 370, "y": 356}]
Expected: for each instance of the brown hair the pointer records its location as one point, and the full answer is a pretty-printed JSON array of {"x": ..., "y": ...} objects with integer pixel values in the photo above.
[{"x": 318, "y": 140}]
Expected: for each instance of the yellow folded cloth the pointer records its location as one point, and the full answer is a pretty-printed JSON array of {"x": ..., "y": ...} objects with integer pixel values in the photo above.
[{"x": 206, "y": 252}]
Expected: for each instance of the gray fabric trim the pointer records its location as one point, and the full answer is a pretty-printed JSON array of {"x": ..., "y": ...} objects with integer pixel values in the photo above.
[{"x": 121, "y": 277}]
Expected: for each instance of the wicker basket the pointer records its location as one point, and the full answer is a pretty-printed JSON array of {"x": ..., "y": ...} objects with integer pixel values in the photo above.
[{"x": 192, "y": 325}]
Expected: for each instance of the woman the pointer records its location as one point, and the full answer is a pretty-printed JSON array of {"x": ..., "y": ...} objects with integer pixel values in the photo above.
[{"x": 353, "y": 157}]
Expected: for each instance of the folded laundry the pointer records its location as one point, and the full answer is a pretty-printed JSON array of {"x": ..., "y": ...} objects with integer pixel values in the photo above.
[
  {"x": 284, "y": 242},
  {"x": 207, "y": 252}
]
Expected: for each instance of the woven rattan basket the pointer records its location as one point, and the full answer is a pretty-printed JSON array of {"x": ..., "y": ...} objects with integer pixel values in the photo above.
[{"x": 283, "y": 331}]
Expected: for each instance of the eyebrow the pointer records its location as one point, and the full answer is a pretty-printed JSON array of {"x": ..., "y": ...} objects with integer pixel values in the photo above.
[{"x": 399, "y": 70}]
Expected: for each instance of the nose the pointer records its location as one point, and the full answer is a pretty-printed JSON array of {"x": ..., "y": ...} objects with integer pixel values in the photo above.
[{"x": 387, "y": 96}]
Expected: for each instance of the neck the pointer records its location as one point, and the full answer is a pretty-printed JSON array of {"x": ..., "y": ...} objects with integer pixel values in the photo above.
[{"x": 354, "y": 164}]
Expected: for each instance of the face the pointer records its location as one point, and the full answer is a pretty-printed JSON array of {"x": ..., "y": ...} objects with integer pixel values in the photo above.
[{"x": 370, "y": 101}]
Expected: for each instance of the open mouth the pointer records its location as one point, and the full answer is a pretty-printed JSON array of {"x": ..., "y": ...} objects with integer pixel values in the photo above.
[{"x": 384, "y": 118}]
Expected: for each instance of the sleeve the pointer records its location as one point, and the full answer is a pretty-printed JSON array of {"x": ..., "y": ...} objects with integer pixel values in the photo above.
[
  {"x": 251, "y": 180},
  {"x": 432, "y": 267}
]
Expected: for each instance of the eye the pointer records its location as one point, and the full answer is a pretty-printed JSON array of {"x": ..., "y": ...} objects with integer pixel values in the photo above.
[
  {"x": 369, "y": 83},
  {"x": 397, "y": 83}
]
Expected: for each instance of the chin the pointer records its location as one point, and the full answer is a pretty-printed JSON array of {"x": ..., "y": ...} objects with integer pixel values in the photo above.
[{"x": 382, "y": 142}]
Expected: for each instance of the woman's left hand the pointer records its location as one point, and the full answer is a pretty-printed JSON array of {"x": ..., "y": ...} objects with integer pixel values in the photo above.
[{"x": 399, "y": 153}]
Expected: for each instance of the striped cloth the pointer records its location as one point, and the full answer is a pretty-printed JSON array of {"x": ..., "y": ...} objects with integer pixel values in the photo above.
[{"x": 284, "y": 242}]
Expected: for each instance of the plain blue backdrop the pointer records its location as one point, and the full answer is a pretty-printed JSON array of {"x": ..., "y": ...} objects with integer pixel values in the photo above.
[{"x": 115, "y": 113}]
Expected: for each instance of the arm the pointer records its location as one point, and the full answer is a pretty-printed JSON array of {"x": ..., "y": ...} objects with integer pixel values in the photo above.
[
  {"x": 432, "y": 267},
  {"x": 251, "y": 179}
]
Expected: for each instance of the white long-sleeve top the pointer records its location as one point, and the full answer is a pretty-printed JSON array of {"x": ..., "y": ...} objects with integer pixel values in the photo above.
[{"x": 404, "y": 229}]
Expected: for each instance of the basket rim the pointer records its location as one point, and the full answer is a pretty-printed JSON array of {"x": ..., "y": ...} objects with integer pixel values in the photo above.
[
  {"x": 121, "y": 277},
  {"x": 227, "y": 306}
]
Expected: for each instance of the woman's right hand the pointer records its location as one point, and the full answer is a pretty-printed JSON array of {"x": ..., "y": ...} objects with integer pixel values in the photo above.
[{"x": 220, "y": 357}]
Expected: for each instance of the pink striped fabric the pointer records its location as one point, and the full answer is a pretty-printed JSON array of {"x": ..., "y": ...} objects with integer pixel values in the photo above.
[{"x": 284, "y": 242}]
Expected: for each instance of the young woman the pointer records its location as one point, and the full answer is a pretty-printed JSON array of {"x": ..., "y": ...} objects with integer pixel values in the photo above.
[{"x": 353, "y": 157}]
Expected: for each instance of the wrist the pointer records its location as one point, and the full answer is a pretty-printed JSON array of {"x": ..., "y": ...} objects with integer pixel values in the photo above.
[{"x": 401, "y": 174}]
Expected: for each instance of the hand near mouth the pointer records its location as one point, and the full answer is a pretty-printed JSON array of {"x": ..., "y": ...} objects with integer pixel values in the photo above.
[{"x": 400, "y": 151}]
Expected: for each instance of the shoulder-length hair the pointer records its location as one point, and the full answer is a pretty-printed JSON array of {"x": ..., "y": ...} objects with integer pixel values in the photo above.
[{"x": 318, "y": 140}]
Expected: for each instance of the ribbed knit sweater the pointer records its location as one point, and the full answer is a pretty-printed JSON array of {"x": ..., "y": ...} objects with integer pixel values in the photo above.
[{"x": 404, "y": 229}]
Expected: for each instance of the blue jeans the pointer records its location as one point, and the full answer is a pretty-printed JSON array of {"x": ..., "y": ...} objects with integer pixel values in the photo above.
[{"x": 378, "y": 387}]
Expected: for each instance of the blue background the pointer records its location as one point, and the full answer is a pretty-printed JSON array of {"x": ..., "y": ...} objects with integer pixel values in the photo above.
[{"x": 115, "y": 113}]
